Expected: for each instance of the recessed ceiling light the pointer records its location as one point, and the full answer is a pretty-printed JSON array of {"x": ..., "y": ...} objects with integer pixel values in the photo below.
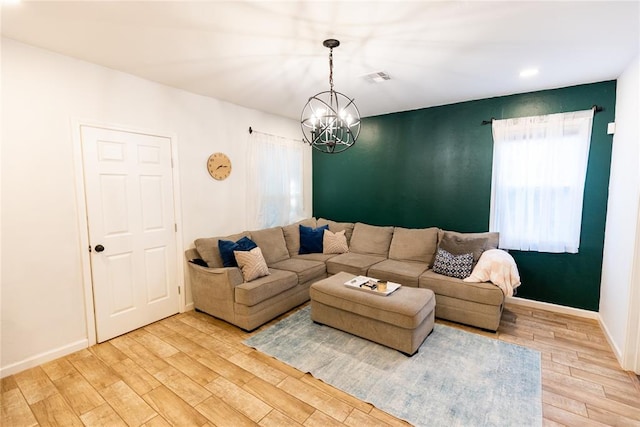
[{"x": 529, "y": 72}]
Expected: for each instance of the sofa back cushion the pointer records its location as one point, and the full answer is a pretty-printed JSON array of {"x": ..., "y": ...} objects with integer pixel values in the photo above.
[
  {"x": 272, "y": 244},
  {"x": 464, "y": 243},
  {"x": 209, "y": 251},
  {"x": 414, "y": 244},
  {"x": 338, "y": 226},
  {"x": 292, "y": 234},
  {"x": 371, "y": 239}
]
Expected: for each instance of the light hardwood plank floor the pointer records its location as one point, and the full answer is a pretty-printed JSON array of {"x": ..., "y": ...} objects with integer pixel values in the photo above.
[{"x": 193, "y": 370}]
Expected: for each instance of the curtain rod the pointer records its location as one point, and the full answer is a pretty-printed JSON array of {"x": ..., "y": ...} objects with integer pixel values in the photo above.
[
  {"x": 595, "y": 108},
  {"x": 251, "y": 131}
]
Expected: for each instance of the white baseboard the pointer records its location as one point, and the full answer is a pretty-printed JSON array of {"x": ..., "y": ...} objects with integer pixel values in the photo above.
[
  {"x": 554, "y": 307},
  {"x": 41, "y": 358},
  {"x": 50, "y": 355},
  {"x": 612, "y": 344}
]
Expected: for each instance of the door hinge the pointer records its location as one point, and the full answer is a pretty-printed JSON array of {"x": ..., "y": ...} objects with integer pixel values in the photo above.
[
  {"x": 179, "y": 293},
  {"x": 175, "y": 227}
]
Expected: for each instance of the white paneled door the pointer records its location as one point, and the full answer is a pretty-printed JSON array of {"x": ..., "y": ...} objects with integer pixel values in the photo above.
[{"x": 130, "y": 209}]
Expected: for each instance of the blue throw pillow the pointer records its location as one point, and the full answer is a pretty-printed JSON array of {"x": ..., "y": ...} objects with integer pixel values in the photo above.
[
  {"x": 227, "y": 247},
  {"x": 311, "y": 239}
]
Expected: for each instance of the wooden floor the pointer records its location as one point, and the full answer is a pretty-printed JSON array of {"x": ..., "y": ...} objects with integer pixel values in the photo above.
[{"x": 193, "y": 370}]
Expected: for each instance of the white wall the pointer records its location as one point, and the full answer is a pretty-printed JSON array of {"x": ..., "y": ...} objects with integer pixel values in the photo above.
[
  {"x": 42, "y": 289},
  {"x": 620, "y": 288}
]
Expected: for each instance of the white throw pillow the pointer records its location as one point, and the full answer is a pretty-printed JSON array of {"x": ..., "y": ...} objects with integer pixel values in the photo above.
[
  {"x": 251, "y": 263},
  {"x": 334, "y": 243}
]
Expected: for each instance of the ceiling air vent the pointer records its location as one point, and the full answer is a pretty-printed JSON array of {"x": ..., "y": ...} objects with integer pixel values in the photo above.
[{"x": 377, "y": 77}]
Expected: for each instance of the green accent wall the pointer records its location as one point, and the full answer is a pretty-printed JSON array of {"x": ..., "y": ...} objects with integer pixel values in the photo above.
[{"x": 432, "y": 167}]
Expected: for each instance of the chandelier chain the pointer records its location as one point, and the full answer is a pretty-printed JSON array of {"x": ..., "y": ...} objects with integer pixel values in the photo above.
[{"x": 331, "y": 69}]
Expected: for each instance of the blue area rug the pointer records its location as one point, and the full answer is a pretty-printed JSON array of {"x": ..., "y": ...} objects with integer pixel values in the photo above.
[{"x": 456, "y": 379}]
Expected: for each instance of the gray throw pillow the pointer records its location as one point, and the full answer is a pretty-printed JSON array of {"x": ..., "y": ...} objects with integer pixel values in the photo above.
[{"x": 456, "y": 245}]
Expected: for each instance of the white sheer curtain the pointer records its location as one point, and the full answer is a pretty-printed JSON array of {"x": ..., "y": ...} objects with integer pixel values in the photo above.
[
  {"x": 539, "y": 169},
  {"x": 274, "y": 181}
]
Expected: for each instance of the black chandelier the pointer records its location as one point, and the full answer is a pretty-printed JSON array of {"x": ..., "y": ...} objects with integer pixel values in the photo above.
[{"x": 330, "y": 121}]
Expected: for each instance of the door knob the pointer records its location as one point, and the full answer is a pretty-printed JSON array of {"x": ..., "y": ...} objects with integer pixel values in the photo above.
[{"x": 99, "y": 248}]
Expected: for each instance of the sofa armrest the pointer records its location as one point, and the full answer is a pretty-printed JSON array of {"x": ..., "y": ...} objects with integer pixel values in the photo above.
[{"x": 213, "y": 289}]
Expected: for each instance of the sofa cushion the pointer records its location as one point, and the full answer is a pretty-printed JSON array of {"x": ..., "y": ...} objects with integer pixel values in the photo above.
[
  {"x": 263, "y": 288},
  {"x": 353, "y": 263},
  {"x": 338, "y": 226},
  {"x": 209, "y": 251},
  {"x": 483, "y": 292},
  {"x": 292, "y": 234},
  {"x": 453, "y": 265},
  {"x": 371, "y": 239},
  {"x": 311, "y": 239},
  {"x": 227, "y": 247},
  {"x": 414, "y": 244},
  {"x": 334, "y": 243},
  {"x": 462, "y": 243},
  {"x": 251, "y": 263},
  {"x": 404, "y": 272},
  {"x": 271, "y": 242},
  {"x": 307, "y": 270}
]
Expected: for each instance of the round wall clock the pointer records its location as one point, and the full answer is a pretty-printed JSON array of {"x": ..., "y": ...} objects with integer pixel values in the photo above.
[{"x": 219, "y": 166}]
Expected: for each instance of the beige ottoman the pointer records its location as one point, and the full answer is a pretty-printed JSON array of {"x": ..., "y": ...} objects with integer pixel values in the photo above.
[{"x": 401, "y": 320}]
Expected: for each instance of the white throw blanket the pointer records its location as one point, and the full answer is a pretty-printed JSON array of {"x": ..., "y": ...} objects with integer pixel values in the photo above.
[{"x": 498, "y": 267}]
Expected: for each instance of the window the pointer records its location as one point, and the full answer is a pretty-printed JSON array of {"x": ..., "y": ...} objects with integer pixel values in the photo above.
[
  {"x": 275, "y": 181},
  {"x": 539, "y": 169}
]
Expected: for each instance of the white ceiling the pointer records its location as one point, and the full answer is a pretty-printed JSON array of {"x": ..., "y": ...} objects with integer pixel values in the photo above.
[{"x": 268, "y": 55}]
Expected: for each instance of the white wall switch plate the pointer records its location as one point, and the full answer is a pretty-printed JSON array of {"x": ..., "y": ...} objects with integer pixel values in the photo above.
[{"x": 611, "y": 128}]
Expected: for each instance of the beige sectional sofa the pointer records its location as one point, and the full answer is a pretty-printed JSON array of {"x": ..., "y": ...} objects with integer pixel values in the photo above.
[{"x": 397, "y": 254}]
